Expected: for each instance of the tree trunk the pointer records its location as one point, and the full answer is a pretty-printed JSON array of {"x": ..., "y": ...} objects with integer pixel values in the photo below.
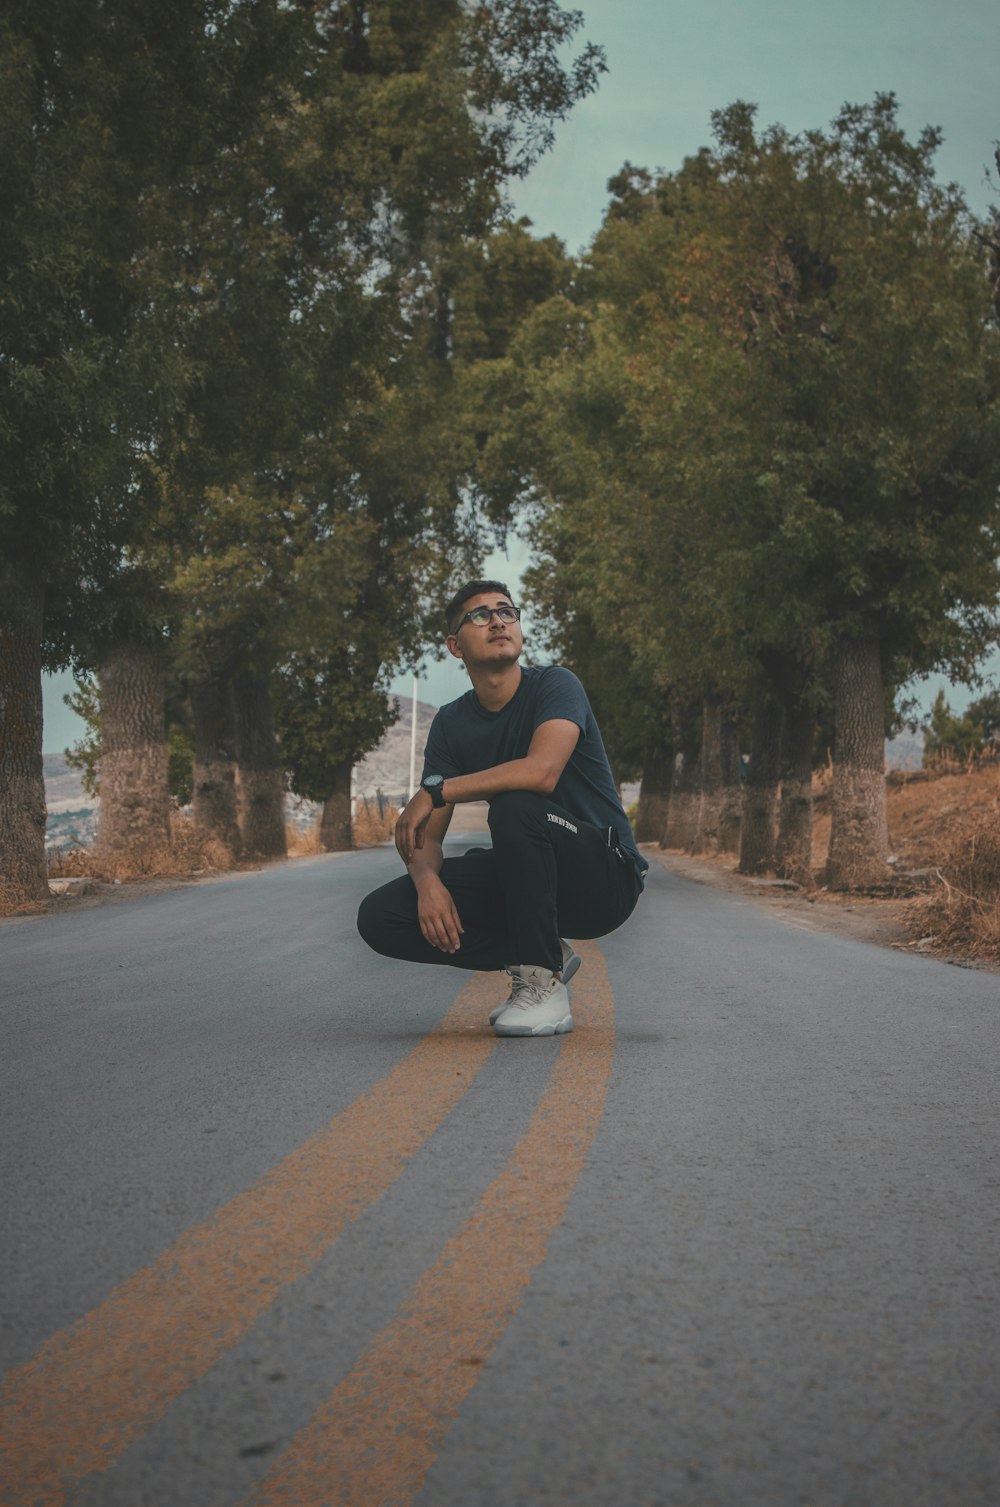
[
  {"x": 794, "y": 854},
  {"x": 731, "y": 812},
  {"x": 22, "y": 787},
  {"x": 859, "y": 840},
  {"x": 706, "y": 834},
  {"x": 654, "y": 791},
  {"x": 134, "y": 813},
  {"x": 760, "y": 793},
  {"x": 261, "y": 790},
  {"x": 213, "y": 803},
  {"x": 335, "y": 823},
  {"x": 683, "y": 813}
]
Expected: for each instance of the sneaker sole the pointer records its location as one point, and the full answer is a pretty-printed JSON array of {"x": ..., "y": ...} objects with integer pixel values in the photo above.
[
  {"x": 562, "y": 1029},
  {"x": 568, "y": 972}
]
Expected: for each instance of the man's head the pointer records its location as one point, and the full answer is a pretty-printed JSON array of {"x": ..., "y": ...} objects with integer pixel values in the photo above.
[{"x": 477, "y": 632}]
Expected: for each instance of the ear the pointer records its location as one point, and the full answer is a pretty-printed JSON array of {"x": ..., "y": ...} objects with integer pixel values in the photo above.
[{"x": 451, "y": 643}]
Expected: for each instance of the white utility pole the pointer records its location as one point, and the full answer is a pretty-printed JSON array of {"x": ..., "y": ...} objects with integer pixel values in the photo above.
[{"x": 413, "y": 739}]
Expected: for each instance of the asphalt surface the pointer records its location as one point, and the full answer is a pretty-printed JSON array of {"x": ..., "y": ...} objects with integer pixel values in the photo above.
[{"x": 268, "y": 1237}]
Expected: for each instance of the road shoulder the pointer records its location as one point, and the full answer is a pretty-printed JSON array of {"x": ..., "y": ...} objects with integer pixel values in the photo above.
[{"x": 880, "y": 921}]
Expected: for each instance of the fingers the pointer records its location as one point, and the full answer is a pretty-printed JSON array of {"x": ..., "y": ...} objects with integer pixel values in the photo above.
[
  {"x": 443, "y": 929},
  {"x": 405, "y": 840}
]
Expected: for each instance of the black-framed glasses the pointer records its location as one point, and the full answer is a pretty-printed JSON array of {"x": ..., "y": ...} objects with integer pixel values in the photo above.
[{"x": 482, "y": 616}]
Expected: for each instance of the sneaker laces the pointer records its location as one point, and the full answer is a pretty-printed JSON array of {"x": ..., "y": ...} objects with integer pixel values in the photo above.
[{"x": 527, "y": 992}]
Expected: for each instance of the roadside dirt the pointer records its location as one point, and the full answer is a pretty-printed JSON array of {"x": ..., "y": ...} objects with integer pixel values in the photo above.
[
  {"x": 96, "y": 892},
  {"x": 880, "y": 921}
]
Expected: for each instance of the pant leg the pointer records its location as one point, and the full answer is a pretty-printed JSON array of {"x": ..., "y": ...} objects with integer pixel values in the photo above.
[
  {"x": 547, "y": 875},
  {"x": 560, "y": 876},
  {"x": 388, "y": 921}
]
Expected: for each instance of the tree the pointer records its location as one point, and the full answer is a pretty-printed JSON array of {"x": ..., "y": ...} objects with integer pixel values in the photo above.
[
  {"x": 881, "y": 375},
  {"x": 102, "y": 112},
  {"x": 774, "y": 403},
  {"x": 204, "y": 209},
  {"x": 961, "y": 738},
  {"x": 79, "y": 345},
  {"x": 330, "y": 715},
  {"x": 366, "y": 438}
]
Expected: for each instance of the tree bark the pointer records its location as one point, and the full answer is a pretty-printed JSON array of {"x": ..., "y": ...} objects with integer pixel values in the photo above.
[
  {"x": 760, "y": 793},
  {"x": 654, "y": 791},
  {"x": 134, "y": 812},
  {"x": 731, "y": 812},
  {"x": 335, "y": 824},
  {"x": 706, "y": 833},
  {"x": 683, "y": 812},
  {"x": 859, "y": 839},
  {"x": 261, "y": 789},
  {"x": 213, "y": 803},
  {"x": 22, "y": 786},
  {"x": 794, "y": 851}
]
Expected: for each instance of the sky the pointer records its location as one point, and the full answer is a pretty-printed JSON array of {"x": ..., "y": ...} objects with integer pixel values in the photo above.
[{"x": 670, "y": 64}]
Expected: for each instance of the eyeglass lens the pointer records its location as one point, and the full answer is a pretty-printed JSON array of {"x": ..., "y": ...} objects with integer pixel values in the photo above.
[{"x": 481, "y": 615}]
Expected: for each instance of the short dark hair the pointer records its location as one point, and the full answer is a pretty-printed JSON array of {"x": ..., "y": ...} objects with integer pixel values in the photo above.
[{"x": 470, "y": 589}]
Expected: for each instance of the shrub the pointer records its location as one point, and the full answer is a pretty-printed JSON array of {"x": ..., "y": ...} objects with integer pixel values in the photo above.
[
  {"x": 374, "y": 822},
  {"x": 189, "y": 851},
  {"x": 963, "y": 913}
]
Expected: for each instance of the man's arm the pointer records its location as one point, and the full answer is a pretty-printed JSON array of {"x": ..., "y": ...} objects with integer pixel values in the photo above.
[
  {"x": 426, "y": 861},
  {"x": 436, "y": 912},
  {"x": 540, "y": 770}
]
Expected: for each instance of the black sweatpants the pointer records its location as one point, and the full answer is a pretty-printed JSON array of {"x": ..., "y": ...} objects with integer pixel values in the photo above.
[{"x": 547, "y": 875}]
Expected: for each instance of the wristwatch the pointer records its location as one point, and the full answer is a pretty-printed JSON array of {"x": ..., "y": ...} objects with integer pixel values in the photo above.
[{"x": 434, "y": 785}]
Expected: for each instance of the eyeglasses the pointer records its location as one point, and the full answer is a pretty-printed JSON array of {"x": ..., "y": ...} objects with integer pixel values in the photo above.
[{"x": 482, "y": 616}]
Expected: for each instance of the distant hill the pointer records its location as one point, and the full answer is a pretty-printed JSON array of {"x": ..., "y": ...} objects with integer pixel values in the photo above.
[
  {"x": 387, "y": 768},
  {"x": 62, "y": 784},
  {"x": 906, "y": 751}
]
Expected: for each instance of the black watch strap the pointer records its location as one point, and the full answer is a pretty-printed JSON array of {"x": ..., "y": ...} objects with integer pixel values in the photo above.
[{"x": 434, "y": 785}]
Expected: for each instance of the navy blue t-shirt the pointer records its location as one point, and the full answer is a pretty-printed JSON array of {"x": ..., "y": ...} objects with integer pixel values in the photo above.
[{"x": 465, "y": 738}]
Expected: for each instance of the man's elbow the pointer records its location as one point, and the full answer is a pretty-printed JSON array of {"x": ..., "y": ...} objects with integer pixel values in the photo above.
[{"x": 548, "y": 780}]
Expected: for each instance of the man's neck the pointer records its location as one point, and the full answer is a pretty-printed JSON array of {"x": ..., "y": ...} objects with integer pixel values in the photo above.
[{"x": 494, "y": 688}]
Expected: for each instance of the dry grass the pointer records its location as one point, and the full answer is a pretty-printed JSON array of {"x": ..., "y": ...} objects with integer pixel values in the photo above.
[
  {"x": 303, "y": 842},
  {"x": 962, "y": 911},
  {"x": 944, "y": 826},
  {"x": 369, "y": 828},
  {"x": 14, "y": 902},
  {"x": 190, "y": 851}
]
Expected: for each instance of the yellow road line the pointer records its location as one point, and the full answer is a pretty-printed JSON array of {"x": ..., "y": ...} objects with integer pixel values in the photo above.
[
  {"x": 373, "y": 1441},
  {"x": 96, "y": 1387}
]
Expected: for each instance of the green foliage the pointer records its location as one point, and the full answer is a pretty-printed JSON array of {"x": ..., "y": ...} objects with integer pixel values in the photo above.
[
  {"x": 768, "y": 418},
  {"x": 85, "y": 753},
  {"x": 328, "y": 715},
  {"x": 963, "y": 738},
  {"x": 180, "y": 766}
]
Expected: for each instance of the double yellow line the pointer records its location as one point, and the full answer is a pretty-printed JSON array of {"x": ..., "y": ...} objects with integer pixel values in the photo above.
[{"x": 94, "y": 1389}]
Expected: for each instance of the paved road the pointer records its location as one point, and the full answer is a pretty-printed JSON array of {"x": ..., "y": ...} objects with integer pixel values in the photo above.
[{"x": 284, "y": 1224}]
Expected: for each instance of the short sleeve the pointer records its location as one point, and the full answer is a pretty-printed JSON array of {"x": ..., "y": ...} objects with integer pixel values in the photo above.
[
  {"x": 438, "y": 758},
  {"x": 561, "y": 696}
]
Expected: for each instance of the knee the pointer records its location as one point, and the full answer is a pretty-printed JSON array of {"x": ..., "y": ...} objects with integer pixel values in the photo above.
[
  {"x": 515, "y": 808},
  {"x": 371, "y": 921}
]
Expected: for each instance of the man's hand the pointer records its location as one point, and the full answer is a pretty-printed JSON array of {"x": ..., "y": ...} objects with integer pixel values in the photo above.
[
  {"x": 439, "y": 920},
  {"x": 410, "y": 826}
]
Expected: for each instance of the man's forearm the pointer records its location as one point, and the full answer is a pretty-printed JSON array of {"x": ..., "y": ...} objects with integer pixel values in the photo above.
[
  {"x": 426, "y": 863},
  {"x": 517, "y": 774}
]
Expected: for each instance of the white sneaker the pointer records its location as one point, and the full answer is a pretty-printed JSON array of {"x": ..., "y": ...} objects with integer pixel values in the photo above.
[
  {"x": 571, "y": 962},
  {"x": 538, "y": 1005}
]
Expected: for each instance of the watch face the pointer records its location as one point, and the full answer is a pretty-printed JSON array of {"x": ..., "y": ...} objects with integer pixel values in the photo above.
[{"x": 433, "y": 781}]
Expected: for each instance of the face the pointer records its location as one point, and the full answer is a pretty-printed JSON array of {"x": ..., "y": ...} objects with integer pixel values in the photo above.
[{"x": 493, "y": 646}]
